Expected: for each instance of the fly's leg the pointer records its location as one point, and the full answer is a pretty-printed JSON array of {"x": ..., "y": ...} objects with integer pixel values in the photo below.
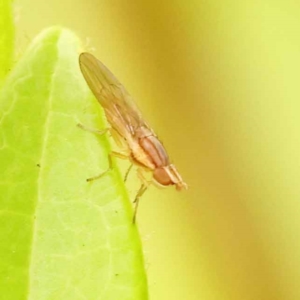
[
  {"x": 121, "y": 155},
  {"x": 119, "y": 140},
  {"x": 103, "y": 173},
  {"x": 141, "y": 191},
  {"x": 96, "y": 131},
  {"x": 127, "y": 172},
  {"x": 122, "y": 144},
  {"x": 136, "y": 201},
  {"x": 99, "y": 132},
  {"x": 110, "y": 164}
]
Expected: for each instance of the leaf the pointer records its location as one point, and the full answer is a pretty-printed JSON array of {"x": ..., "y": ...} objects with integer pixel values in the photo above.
[
  {"x": 6, "y": 37},
  {"x": 61, "y": 237}
]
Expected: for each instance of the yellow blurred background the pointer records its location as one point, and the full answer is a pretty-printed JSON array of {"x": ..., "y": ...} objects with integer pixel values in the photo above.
[{"x": 219, "y": 81}]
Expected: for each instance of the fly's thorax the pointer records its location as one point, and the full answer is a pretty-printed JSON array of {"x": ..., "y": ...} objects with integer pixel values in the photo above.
[{"x": 169, "y": 175}]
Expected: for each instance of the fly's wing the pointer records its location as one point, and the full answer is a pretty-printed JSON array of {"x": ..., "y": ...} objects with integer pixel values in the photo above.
[{"x": 121, "y": 111}]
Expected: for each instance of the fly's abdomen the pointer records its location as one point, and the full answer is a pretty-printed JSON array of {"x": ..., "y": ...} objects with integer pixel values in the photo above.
[{"x": 154, "y": 149}]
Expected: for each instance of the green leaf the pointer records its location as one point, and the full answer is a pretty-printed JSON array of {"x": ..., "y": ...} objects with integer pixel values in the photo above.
[
  {"x": 61, "y": 237},
  {"x": 6, "y": 37}
]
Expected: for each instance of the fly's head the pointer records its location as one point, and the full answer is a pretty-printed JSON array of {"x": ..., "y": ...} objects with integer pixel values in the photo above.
[{"x": 168, "y": 175}]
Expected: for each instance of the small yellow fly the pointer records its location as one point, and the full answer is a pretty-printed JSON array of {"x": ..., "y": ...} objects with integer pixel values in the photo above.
[{"x": 139, "y": 142}]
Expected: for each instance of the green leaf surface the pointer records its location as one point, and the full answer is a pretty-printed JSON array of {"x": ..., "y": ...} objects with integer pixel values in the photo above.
[
  {"x": 6, "y": 37},
  {"x": 61, "y": 237}
]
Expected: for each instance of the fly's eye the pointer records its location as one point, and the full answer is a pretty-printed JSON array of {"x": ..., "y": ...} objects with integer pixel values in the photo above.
[{"x": 162, "y": 177}]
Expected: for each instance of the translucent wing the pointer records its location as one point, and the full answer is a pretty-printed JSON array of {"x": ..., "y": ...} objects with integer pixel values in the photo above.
[{"x": 121, "y": 111}]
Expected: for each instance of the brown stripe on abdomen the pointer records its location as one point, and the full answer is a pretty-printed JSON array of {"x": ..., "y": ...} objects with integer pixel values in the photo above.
[{"x": 155, "y": 150}]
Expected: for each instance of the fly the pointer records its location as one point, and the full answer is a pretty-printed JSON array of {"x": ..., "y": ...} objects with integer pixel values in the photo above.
[{"x": 128, "y": 127}]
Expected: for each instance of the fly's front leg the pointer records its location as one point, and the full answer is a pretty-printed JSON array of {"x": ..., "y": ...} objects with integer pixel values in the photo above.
[
  {"x": 103, "y": 173},
  {"x": 119, "y": 140},
  {"x": 127, "y": 172},
  {"x": 139, "y": 194},
  {"x": 141, "y": 191}
]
